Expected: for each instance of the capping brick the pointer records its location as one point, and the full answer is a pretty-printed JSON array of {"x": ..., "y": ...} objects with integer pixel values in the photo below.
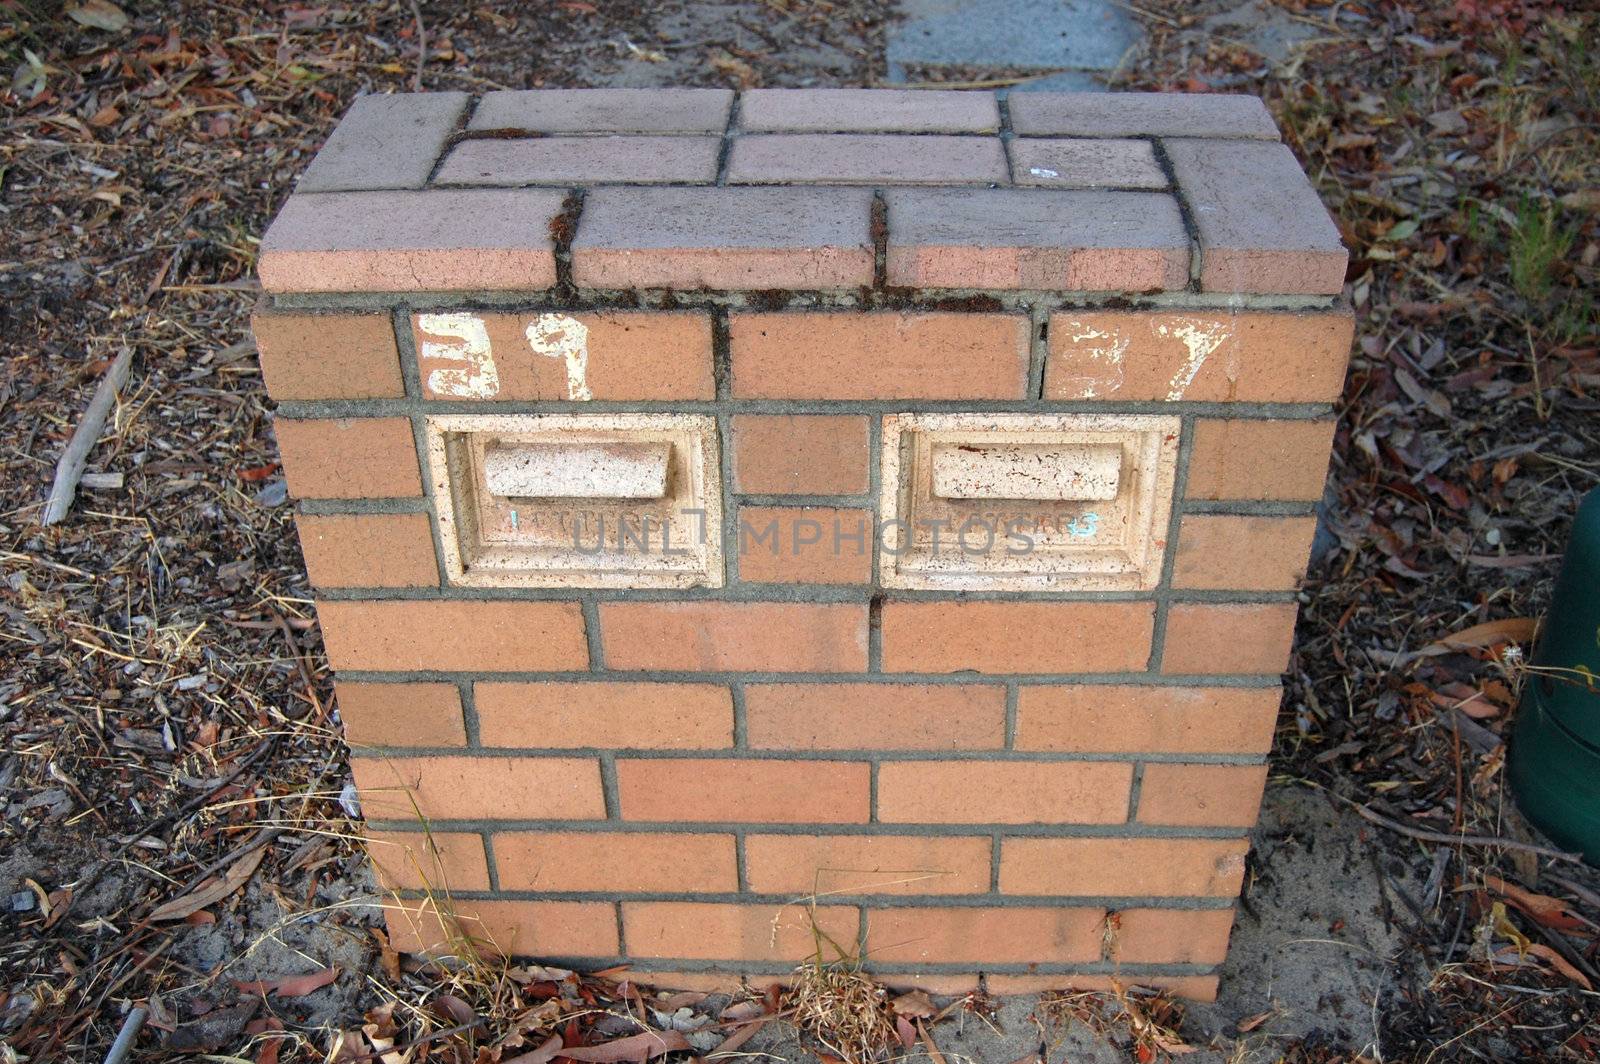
[
  {"x": 1131, "y": 719},
  {"x": 735, "y": 636},
  {"x": 479, "y": 788},
  {"x": 1261, "y": 226},
  {"x": 327, "y": 356},
  {"x": 1238, "y": 459},
  {"x": 832, "y": 865},
  {"x": 401, "y": 714},
  {"x": 683, "y": 930},
  {"x": 1161, "y": 114},
  {"x": 744, "y": 791},
  {"x": 544, "y": 929},
  {"x": 582, "y": 160},
  {"x": 868, "y": 111},
  {"x": 1171, "y": 936},
  {"x": 623, "y": 716},
  {"x": 604, "y": 110},
  {"x": 385, "y": 142},
  {"x": 805, "y": 545},
  {"x": 879, "y": 355},
  {"x": 453, "y": 636},
  {"x": 441, "y": 240},
  {"x": 1225, "y": 551},
  {"x": 882, "y": 716},
  {"x": 1052, "y": 935},
  {"x": 1254, "y": 357},
  {"x": 1093, "y": 867},
  {"x": 1036, "y": 238},
  {"x": 1004, "y": 792},
  {"x": 368, "y": 550},
  {"x": 1086, "y": 164},
  {"x": 722, "y": 238},
  {"x": 615, "y": 861},
  {"x": 1179, "y": 795},
  {"x": 860, "y": 159},
  {"x": 1016, "y": 637},
  {"x": 800, "y": 454},
  {"x": 631, "y": 356},
  {"x": 350, "y": 458},
  {"x": 442, "y": 861},
  {"x": 1218, "y": 639}
]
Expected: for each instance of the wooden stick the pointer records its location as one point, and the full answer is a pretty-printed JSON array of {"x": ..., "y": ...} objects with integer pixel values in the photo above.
[
  {"x": 1460, "y": 840},
  {"x": 69, "y": 469},
  {"x": 130, "y": 1030}
]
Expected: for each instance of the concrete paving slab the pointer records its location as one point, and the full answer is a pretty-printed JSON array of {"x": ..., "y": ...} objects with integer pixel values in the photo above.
[{"x": 1065, "y": 35}]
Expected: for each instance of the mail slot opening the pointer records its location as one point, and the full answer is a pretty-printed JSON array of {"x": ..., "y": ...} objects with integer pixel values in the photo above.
[
  {"x": 1026, "y": 471},
  {"x": 578, "y": 470}
]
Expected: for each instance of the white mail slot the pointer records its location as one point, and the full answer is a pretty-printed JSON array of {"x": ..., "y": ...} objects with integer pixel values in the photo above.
[
  {"x": 1062, "y": 473},
  {"x": 578, "y": 470}
]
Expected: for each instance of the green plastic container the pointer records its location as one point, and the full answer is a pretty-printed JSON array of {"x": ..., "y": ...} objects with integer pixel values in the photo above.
[{"x": 1555, "y": 743}]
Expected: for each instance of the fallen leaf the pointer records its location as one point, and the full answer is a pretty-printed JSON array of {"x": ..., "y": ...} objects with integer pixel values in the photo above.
[
  {"x": 915, "y": 1003},
  {"x": 634, "y": 1047},
  {"x": 1506, "y": 630},
  {"x": 543, "y": 1055},
  {"x": 289, "y": 985},
  {"x": 1560, "y": 964},
  {"x": 213, "y": 890},
  {"x": 928, "y": 1046},
  {"x": 1542, "y": 908},
  {"x": 99, "y": 15}
]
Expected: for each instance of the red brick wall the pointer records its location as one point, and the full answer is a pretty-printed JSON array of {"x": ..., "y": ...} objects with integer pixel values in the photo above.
[{"x": 1047, "y": 786}]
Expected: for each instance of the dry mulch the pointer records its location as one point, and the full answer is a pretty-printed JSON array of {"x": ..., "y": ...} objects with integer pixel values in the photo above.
[{"x": 170, "y": 787}]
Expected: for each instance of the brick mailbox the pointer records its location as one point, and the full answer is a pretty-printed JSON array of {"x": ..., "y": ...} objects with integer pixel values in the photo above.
[{"x": 874, "y": 512}]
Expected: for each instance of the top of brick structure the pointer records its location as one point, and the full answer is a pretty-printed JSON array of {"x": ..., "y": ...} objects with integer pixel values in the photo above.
[{"x": 805, "y": 189}]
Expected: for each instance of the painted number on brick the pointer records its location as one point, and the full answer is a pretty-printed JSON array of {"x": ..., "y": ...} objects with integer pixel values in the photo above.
[{"x": 463, "y": 365}]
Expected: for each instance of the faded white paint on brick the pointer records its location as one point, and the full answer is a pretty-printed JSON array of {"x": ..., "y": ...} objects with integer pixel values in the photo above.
[
  {"x": 469, "y": 372},
  {"x": 1200, "y": 338},
  {"x": 567, "y": 339},
  {"x": 1102, "y": 374}
]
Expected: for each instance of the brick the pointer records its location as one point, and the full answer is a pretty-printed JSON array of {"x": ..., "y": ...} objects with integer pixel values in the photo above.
[
  {"x": 723, "y": 238},
  {"x": 1131, "y": 719},
  {"x": 1251, "y": 357},
  {"x": 1171, "y": 936},
  {"x": 327, "y": 356},
  {"x": 401, "y": 714},
  {"x": 879, "y": 355},
  {"x": 800, "y": 454},
  {"x": 349, "y": 458},
  {"x": 582, "y": 160},
  {"x": 1086, "y": 164},
  {"x": 1162, "y": 114},
  {"x": 621, "y": 716},
  {"x": 985, "y": 936},
  {"x": 1004, "y": 792},
  {"x": 1225, "y": 551},
  {"x": 1051, "y": 239},
  {"x": 1236, "y": 459},
  {"x": 700, "y": 931},
  {"x": 868, "y": 111},
  {"x": 866, "y": 864},
  {"x": 615, "y": 862},
  {"x": 859, "y": 159},
  {"x": 630, "y": 356},
  {"x": 385, "y": 141},
  {"x": 805, "y": 545},
  {"x": 883, "y": 716},
  {"x": 441, "y": 861},
  {"x": 461, "y": 636},
  {"x": 439, "y": 240},
  {"x": 751, "y": 792},
  {"x": 653, "y": 110},
  {"x": 1179, "y": 795},
  {"x": 1194, "y": 987},
  {"x": 368, "y": 550},
  {"x": 479, "y": 788},
  {"x": 1016, "y": 637},
  {"x": 543, "y": 929},
  {"x": 735, "y": 636},
  {"x": 1261, "y": 226},
  {"x": 1092, "y": 867},
  {"x": 1206, "y": 639}
]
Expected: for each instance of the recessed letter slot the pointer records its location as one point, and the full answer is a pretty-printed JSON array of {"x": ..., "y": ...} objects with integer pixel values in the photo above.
[
  {"x": 1027, "y": 471},
  {"x": 578, "y": 470}
]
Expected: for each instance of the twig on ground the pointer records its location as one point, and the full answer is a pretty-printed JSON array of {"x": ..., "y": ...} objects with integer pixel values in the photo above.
[
  {"x": 130, "y": 1030},
  {"x": 70, "y": 466}
]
